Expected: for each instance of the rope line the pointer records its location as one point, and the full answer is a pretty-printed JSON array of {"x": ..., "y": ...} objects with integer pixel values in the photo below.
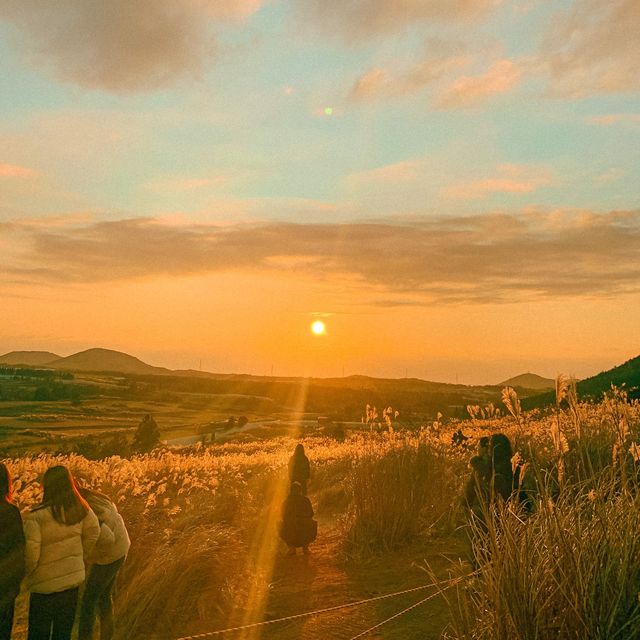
[
  {"x": 413, "y": 606},
  {"x": 449, "y": 583}
]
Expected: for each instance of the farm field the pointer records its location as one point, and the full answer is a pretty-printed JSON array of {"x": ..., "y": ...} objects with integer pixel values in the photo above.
[
  {"x": 48, "y": 410},
  {"x": 206, "y": 556}
]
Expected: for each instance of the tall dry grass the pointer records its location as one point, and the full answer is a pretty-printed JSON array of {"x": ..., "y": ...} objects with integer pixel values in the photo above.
[
  {"x": 398, "y": 493},
  {"x": 570, "y": 570},
  {"x": 182, "y": 583}
]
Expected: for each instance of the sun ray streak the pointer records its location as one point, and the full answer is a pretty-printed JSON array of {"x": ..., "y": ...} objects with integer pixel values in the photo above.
[{"x": 265, "y": 545}]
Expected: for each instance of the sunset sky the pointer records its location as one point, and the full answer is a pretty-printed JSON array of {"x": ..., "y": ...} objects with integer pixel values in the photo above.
[{"x": 453, "y": 187}]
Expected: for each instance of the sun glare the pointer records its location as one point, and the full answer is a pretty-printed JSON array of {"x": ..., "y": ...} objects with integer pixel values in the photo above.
[{"x": 318, "y": 328}]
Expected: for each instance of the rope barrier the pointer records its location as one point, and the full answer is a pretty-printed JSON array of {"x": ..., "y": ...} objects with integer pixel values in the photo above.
[
  {"x": 306, "y": 614},
  {"x": 413, "y": 606}
]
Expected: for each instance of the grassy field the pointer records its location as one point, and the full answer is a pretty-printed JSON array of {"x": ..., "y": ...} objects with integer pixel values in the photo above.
[{"x": 206, "y": 556}]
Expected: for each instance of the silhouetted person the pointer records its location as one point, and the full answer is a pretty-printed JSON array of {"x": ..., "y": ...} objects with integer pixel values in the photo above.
[
  {"x": 11, "y": 553},
  {"x": 297, "y": 528},
  {"x": 60, "y": 534},
  {"x": 108, "y": 557},
  {"x": 478, "y": 487},
  {"x": 459, "y": 438},
  {"x": 299, "y": 468},
  {"x": 502, "y": 484}
]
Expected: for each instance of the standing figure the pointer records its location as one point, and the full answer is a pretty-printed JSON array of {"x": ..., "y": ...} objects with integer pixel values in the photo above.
[
  {"x": 11, "y": 553},
  {"x": 478, "y": 487},
  {"x": 108, "y": 557},
  {"x": 298, "y": 528},
  {"x": 501, "y": 470},
  {"x": 299, "y": 468},
  {"x": 60, "y": 534}
]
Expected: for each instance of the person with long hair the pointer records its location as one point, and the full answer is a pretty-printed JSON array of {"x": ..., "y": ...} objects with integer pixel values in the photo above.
[
  {"x": 60, "y": 533},
  {"x": 108, "y": 557},
  {"x": 501, "y": 469},
  {"x": 299, "y": 468},
  {"x": 477, "y": 487},
  {"x": 11, "y": 553}
]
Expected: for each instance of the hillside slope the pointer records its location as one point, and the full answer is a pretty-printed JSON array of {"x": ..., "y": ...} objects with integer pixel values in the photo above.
[{"x": 627, "y": 374}]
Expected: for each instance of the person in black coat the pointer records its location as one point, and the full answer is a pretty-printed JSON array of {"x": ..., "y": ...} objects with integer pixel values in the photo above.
[
  {"x": 299, "y": 468},
  {"x": 477, "y": 489},
  {"x": 298, "y": 528},
  {"x": 11, "y": 553}
]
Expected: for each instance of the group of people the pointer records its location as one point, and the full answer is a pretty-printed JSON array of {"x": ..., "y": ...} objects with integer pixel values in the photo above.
[
  {"x": 73, "y": 528},
  {"x": 76, "y": 536}
]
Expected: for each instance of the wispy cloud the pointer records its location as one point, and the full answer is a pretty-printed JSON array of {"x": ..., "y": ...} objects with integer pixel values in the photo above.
[
  {"x": 16, "y": 171},
  {"x": 468, "y": 91},
  {"x": 610, "y": 175},
  {"x": 181, "y": 184},
  {"x": 121, "y": 46},
  {"x": 508, "y": 178},
  {"x": 405, "y": 171},
  {"x": 470, "y": 259},
  {"x": 593, "y": 48},
  {"x": 440, "y": 59},
  {"x": 609, "y": 119},
  {"x": 362, "y": 19}
]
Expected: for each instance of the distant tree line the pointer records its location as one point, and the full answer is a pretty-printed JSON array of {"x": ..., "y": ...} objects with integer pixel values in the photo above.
[{"x": 21, "y": 373}]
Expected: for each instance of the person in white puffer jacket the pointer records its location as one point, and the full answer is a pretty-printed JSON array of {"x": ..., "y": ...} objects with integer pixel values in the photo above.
[
  {"x": 59, "y": 535},
  {"x": 108, "y": 557}
]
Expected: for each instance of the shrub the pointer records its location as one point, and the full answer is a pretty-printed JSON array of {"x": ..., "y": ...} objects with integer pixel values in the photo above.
[{"x": 147, "y": 435}]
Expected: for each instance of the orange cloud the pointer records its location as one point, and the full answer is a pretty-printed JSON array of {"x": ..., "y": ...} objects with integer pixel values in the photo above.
[
  {"x": 510, "y": 179},
  {"x": 16, "y": 171},
  {"x": 379, "y": 83},
  {"x": 468, "y": 91}
]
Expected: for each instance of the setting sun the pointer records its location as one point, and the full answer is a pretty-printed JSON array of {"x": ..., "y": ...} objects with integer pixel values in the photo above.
[{"x": 318, "y": 328}]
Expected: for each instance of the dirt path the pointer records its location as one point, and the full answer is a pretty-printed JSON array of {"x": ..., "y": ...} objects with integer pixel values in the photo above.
[{"x": 325, "y": 578}]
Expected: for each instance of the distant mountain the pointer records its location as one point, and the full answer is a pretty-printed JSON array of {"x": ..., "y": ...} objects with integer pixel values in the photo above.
[
  {"x": 105, "y": 360},
  {"x": 529, "y": 381},
  {"x": 30, "y": 358}
]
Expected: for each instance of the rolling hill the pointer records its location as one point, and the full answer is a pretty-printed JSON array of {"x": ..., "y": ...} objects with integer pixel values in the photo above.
[
  {"x": 29, "y": 358},
  {"x": 105, "y": 360},
  {"x": 529, "y": 381}
]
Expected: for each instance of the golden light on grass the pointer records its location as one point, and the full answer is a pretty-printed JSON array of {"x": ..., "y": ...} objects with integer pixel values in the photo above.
[
  {"x": 265, "y": 545},
  {"x": 318, "y": 328}
]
